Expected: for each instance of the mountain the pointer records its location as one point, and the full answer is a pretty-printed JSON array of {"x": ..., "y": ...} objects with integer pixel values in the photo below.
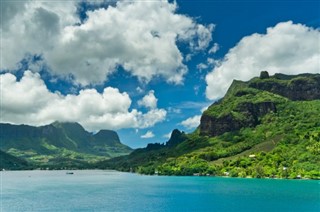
[
  {"x": 247, "y": 102},
  {"x": 266, "y": 127},
  {"x": 60, "y": 144}
]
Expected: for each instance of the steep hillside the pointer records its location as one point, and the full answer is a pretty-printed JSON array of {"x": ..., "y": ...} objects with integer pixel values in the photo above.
[
  {"x": 60, "y": 144},
  {"x": 9, "y": 162},
  {"x": 266, "y": 127}
]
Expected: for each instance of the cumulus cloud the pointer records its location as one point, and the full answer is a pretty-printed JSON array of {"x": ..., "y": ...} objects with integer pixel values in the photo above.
[
  {"x": 32, "y": 27},
  {"x": 143, "y": 37},
  {"x": 191, "y": 122},
  {"x": 285, "y": 48},
  {"x": 149, "y": 100},
  {"x": 28, "y": 101},
  {"x": 149, "y": 119},
  {"x": 214, "y": 48},
  {"x": 149, "y": 134}
]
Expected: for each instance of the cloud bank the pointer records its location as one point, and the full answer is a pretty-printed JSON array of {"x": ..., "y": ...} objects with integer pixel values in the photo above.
[
  {"x": 287, "y": 48},
  {"x": 28, "y": 101}
]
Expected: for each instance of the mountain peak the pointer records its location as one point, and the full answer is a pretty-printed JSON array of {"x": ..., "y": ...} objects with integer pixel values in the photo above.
[
  {"x": 67, "y": 124},
  {"x": 110, "y": 134},
  {"x": 176, "y": 137}
]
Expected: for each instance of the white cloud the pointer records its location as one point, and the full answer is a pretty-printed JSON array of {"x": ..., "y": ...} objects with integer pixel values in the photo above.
[
  {"x": 149, "y": 119},
  {"x": 149, "y": 100},
  {"x": 28, "y": 101},
  {"x": 213, "y": 62},
  {"x": 194, "y": 121},
  {"x": 214, "y": 48},
  {"x": 192, "y": 105},
  {"x": 139, "y": 90},
  {"x": 174, "y": 110},
  {"x": 191, "y": 122},
  {"x": 285, "y": 48},
  {"x": 32, "y": 27},
  {"x": 196, "y": 89},
  {"x": 204, "y": 109},
  {"x": 202, "y": 66},
  {"x": 140, "y": 36},
  {"x": 168, "y": 135},
  {"x": 149, "y": 134}
]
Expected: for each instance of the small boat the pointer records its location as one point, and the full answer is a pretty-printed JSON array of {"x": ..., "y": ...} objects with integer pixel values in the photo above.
[{"x": 69, "y": 173}]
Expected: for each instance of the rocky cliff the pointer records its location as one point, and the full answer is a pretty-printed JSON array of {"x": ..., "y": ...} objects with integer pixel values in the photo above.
[
  {"x": 299, "y": 87},
  {"x": 251, "y": 113}
]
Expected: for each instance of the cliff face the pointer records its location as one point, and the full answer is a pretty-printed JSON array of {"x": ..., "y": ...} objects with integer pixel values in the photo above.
[
  {"x": 299, "y": 88},
  {"x": 251, "y": 113},
  {"x": 247, "y": 102}
]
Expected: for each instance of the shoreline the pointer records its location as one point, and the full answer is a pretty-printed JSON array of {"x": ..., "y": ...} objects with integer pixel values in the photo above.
[{"x": 157, "y": 175}]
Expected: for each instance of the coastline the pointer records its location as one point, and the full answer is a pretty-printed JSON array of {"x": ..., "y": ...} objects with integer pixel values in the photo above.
[{"x": 158, "y": 175}]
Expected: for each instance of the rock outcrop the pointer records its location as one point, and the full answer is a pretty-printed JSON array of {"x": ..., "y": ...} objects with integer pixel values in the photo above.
[
  {"x": 249, "y": 117},
  {"x": 298, "y": 88}
]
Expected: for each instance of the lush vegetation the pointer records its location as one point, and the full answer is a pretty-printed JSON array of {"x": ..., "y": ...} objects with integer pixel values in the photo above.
[
  {"x": 282, "y": 144},
  {"x": 8, "y": 161}
]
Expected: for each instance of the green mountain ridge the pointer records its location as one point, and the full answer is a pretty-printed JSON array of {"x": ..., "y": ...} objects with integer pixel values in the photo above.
[
  {"x": 266, "y": 127},
  {"x": 60, "y": 144}
]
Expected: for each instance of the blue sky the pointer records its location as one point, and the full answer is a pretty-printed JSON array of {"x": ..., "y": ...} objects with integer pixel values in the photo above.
[{"x": 144, "y": 68}]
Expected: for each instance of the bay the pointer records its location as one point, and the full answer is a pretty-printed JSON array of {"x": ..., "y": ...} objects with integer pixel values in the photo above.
[{"x": 98, "y": 190}]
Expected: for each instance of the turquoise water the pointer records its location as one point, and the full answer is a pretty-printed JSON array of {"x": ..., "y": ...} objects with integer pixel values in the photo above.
[{"x": 95, "y": 190}]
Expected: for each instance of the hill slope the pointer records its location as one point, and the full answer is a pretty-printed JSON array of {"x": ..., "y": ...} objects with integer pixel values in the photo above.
[
  {"x": 266, "y": 127},
  {"x": 10, "y": 162},
  {"x": 60, "y": 144}
]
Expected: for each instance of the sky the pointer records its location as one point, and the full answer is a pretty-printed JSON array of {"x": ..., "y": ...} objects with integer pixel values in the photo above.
[{"x": 144, "y": 68}]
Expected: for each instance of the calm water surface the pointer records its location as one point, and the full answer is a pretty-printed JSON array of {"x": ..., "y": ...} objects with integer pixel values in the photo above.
[{"x": 95, "y": 190}]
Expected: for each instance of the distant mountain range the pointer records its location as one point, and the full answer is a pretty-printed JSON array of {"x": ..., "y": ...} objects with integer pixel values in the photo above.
[
  {"x": 58, "y": 145},
  {"x": 266, "y": 127}
]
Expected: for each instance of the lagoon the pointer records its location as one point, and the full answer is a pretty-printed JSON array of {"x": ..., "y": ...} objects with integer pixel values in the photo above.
[{"x": 98, "y": 190}]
